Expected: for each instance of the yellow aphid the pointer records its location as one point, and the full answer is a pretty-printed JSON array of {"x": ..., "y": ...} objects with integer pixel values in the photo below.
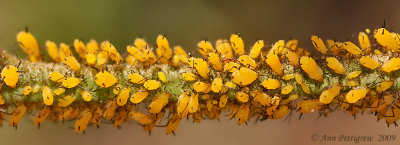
[
  {"x": 247, "y": 61},
  {"x": 110, "y": 51},
  {"x": 224, "y": 49},
  {"x": 271, "y": 84},
  {"x": 311, "y": 68},
  {"x": 65, "y": 51},
  {"x": 288, "y": 77},
  {"x": 56, "y": 76},
  {"x": 136, "y": 78},
  {"x": 72, "y": 63},
  {"x": 47, "y": 96},
  {"x": 202, "y": 67},
  {"x": 330, "y": 43},
  {"x": 91, "y": 59},
  {"x": 131, "y": 60},
  {"x": 230, "y": 85},
  {"x": 353, "y": 74},
  {"x": 256, "y": 49},
  {"x": 396, "y": 37},
  {"x": 327, "y": 95},
  {"x": 86, "y": 96},
  {"x": 164, "y": 52},
  {"x": 82, "y": 123},
  {"x": 365, "y": 44},
  {"x": 287, "y": 89},
  {"x": 367, "y": 31},
  {"x": 139, "y": 96},
  {"x": 36, "y": 88},
  {"x": 123, "y": 96},
  {"x": 41, "y": 116},
  {"x": 299, "y": 78},
  {"x": 71, "y": 82},
  {"x": 136, "y": 53},
  {"x": 177, "y": 59},
  {"x": 66, "y": 101},
  {"x": 150, "y": 56},
  {"x": 237, "y": 44},
  {"x": 162, "y": 42},
  {"x": 162, "y": 76},
  {"x": 105, "y": 79},
  {"x": 352, "y": 83},
  {"x": 17, "y": 115},
  {"x": 181, "y": 106},
  {"x": 318, "y": 44},
  {"x": 140, "y": 43},
  {"x": 187, "y": 76},
  {"x": 173, "y": 124},
  {"x": 335, "y": 65},
  {"x": 215, "y": 61},
  {"x": 216, "y": 85},
  {"x": 223, "y": 100},
  {"x": 392, "y": 65},
  {"x": 66, "y": 113},
  {"x": 205, "y": 47},
  {"x": 202, "y": 87},
  {"x": 80, "y": 48},
  {"x": 392, "y": 116},
  {"x": 92, "y": 47},
  {"x": 243, "y": 113},
  {"x": 52, "y": 50},
  {"x": 335, "y": 47},
  {"x": 27, "y": 90},
  {"x": 231, "y": 67},
  {"x": 59, "y": 91},
  {"x": 190, "y": 61},
  {"x": 293, "y": 97},
  {"x": 306, "y": 89},
  {"x": 261, "y": 97},
  {"x": 116, "y": 89},
  {"x": 277, "y": 47},
  {"x": 356, "y": 94},
  {"x": 383, "y": 86},
  {"x": 158, "y": 103},
  {"x": 242, "y": 96},
  {"x": 307, "y": 106},
  {"x": 1, "y": 100},
  {"x": 244, "y": 76},
  {"x": 281, "y": 112},
  {"x": 29, "y": 44},
  {"x": 96, "y": 120},
  {"x": 369, "y": 62},
  {"x": 152, "y": 84},
  {"x": 273, "y": 62},
  {"x": 178, "y": 50},
  {"x": 292, "y": 44},
  {"x": 352, "y": 48},
  {"x": 140, "y": 117},
  {"x": 193, "y": 103},
  {"x": 386, "y": 39},
  {"x": 10, "y": 75},
  {"x": 292, "y": 57}
]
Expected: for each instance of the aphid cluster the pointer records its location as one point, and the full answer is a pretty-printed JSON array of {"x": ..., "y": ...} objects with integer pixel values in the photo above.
[{"x": 92, "y": 84}]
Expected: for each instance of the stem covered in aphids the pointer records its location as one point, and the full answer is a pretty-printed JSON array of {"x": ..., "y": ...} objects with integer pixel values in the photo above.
[{"x": 267, "y": 83}]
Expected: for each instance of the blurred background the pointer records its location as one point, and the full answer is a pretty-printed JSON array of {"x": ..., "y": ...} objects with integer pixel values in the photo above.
[{"x": 186, "y": 23}]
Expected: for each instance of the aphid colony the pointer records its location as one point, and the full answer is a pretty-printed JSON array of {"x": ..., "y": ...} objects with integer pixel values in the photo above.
[{"x": 92, "y": 84}]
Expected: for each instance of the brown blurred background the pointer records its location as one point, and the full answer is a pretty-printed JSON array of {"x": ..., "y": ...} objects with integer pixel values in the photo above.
[{"x": 185, "y": 23}]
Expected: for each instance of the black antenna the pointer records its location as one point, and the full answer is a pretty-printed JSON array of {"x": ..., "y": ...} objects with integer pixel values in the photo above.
[{"x": 384, "y": 23}]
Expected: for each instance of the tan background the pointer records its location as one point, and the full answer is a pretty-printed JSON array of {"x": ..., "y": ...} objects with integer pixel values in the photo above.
[{"x": 187, "y": 22}]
